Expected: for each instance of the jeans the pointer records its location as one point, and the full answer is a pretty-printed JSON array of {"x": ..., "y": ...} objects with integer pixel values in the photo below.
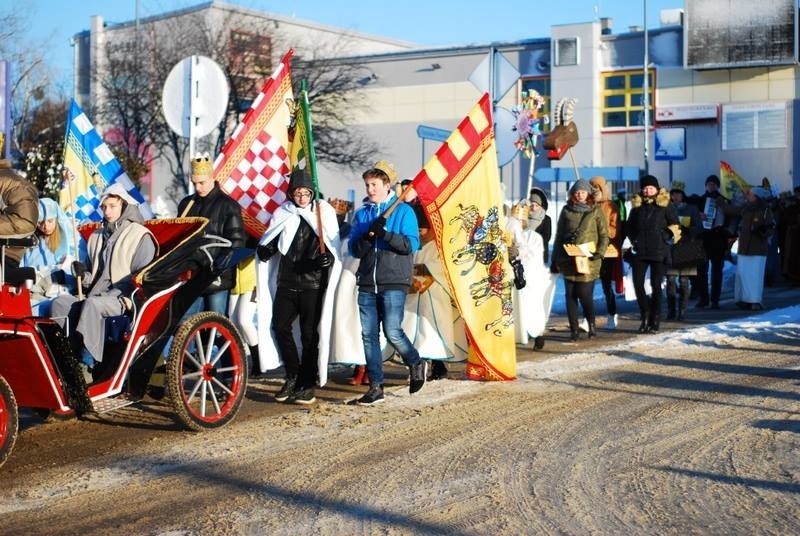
[
  {"x": 216, "y": 302},
  {"x": 385, "y": 307}
]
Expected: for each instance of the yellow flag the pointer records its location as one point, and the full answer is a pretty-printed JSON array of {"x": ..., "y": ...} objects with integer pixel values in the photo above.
[{"x": 459, "y": 189}]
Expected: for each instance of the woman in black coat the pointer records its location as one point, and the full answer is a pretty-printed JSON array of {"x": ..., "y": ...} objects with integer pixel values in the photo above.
[{"x": 648, "y": 230}]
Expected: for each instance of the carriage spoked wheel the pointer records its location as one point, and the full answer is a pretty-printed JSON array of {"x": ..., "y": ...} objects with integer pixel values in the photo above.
[
  {"x": 206, "y": 371},
  {"x": 9, "y": 420}
]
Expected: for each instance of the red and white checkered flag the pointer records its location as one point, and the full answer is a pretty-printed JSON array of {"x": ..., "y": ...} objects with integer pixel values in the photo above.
[{"x": 253, "y": 166}]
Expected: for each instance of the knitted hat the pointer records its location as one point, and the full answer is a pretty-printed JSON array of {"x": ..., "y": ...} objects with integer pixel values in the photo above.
[
  {"x": 648, "y": 180},
  {"x": 300, "y": 179},
  {"x": 714, "y": 179},
  {"x": 580, "y": 184},
  {"x": 537, "y": 195}
]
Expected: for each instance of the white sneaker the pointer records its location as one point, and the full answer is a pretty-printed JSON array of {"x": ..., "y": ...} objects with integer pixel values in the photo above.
[
  {"x": 584, "y": 325},
  {"x": 611, "y": 324}
]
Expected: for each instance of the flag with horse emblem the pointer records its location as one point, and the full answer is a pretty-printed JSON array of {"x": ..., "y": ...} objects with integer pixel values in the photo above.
[
  {"x": 459, "y": 189},
  {"x": 253, "y": 166}
]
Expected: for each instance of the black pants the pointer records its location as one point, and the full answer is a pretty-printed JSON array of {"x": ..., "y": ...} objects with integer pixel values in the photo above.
[
  {"x": 649, "y": 308},
  {"x": 717, "y": 262},
  {"x": 288, "y": 305},
  {"x": 607, "y": 280},
  {"x": 579, "y": 292}
]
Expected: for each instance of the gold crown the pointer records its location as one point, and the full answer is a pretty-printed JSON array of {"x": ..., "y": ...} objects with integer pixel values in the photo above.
[
  {"x": 202, "y": 165},
  {"x": 387, "y": 168}
]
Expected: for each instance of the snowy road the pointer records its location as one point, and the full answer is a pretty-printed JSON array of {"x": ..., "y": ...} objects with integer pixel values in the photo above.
[{"x": 685, "y": 432}]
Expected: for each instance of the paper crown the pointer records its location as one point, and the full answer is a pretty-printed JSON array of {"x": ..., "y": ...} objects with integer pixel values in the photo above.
[
  {"x": 387, "y": 168},
  {"x": 202, "y": 165},
  {"x": 521, "y": 211}
]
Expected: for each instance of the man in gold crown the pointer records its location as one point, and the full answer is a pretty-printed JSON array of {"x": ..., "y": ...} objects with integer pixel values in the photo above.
[
  {"x": 384, "y": 237},
  {"x": 224, "y": 220}
]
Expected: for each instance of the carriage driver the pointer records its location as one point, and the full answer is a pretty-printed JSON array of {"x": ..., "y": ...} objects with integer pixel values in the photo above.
[{"x": 119, "y": 248}]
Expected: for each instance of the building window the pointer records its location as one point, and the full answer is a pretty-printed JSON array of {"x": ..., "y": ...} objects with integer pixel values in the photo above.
[
  {"x": 542, "y": 87},
  {"x": 623, "y": 99},
  {"x": 250, "y": 61},
  {"x": 567, "y": 52},
  {"x": 754, "y": 126}
]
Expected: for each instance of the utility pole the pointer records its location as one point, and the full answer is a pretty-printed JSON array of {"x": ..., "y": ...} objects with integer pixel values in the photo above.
[{"x": 646, "y": 90}]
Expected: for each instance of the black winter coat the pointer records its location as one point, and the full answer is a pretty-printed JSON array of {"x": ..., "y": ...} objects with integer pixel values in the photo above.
[
  {"x": 647, "y": 226},
  {"x": 224, "y": 219}
]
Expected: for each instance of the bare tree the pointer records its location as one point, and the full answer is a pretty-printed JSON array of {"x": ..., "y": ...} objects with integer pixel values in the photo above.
[
  {"x": 245, "y": 47},
  {"x": 31, "y": 78}
]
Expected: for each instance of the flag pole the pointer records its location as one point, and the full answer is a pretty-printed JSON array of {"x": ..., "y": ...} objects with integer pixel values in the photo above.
[
  {"x": 312, "y": 159},
  {"x": 394, "y": 205},
  {"x": 69, "y": 176}
]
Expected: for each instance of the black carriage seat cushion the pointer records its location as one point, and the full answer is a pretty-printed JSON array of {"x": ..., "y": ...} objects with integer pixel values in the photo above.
[
  {"x": 17, "y": 276},
  {"x": 179, "y": 242},
  {"x": 18, "y": 241}
]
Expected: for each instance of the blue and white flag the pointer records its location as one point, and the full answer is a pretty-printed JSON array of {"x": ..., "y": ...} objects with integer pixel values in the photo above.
[{"x": 91, "y": 167}]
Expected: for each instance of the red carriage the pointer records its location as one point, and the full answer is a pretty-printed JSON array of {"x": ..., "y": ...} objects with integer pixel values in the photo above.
[{"x": 206, "y": 369}]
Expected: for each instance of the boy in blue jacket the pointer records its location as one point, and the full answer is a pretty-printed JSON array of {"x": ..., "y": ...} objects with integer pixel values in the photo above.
[{"x": 385, "y": 247}]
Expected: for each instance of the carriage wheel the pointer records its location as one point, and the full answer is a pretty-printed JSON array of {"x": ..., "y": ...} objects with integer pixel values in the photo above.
[
  {"x": 206, "y": 371},
  {"x": 9, "y": 420}
]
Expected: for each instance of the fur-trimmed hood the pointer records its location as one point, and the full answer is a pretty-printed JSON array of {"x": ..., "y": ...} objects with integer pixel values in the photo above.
[{"x": 661, "y": 199}]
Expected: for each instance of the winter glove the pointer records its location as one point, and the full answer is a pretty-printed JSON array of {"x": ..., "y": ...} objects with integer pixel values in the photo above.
[
  {"x": 58, "y": 277},
  {"x": 376, "y": 229},
  {"x": 325, "y": 260},
  {"x": 519, "y": 273},
  {"x": 554, "y": 269},
  {"x": 266, "y": 251},
  {"x": 78, "y": 269},
  {"x": 595, "y": 257}
]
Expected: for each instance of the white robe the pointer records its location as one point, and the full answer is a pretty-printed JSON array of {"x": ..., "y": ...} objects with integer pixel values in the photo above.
[
  {"x": 532, "y": 304},
  {"x": 430, "y": 321},
  {"x": 285, "y": 221},
  {"x": 748, "y": 285},
  {"x": 347, "y": 346}
]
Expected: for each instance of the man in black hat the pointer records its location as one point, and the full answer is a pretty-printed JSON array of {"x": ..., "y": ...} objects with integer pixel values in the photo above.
[
  {"x": 715, "y": 243},
  {"x": 301, "y": 287}
]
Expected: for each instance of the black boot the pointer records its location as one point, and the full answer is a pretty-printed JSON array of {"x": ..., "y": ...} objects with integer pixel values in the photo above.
[
  {"x": 574, "y": 334},
  {"x": 255, "y": 368},
  {"x": 538, "y": 343},
  {"x": 287, "y": 390},
  {"x": 670, "y": 307},
  {"x": 654, "y": 325},
  {"x": 592, "y": 331}
]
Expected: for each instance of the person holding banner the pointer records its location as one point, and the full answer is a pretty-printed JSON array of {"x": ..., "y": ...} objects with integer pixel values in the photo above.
[
  {"x": 583, "y": 226},
  {"x": 302, "y": 284},
  {"x": 118, "y": 249},
  {"x": 384, "y": 237},
  {"x": 715, "y": 242}
]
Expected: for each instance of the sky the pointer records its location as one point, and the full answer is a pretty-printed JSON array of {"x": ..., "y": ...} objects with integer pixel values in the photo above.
[{"x": 425, "y": 22}]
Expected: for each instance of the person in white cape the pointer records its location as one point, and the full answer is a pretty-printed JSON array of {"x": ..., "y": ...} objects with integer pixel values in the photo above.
[
  {"x": 431, "y": 322},
  {"x": 298, "y": 283},
  {"x": 533, "y": 302}
]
